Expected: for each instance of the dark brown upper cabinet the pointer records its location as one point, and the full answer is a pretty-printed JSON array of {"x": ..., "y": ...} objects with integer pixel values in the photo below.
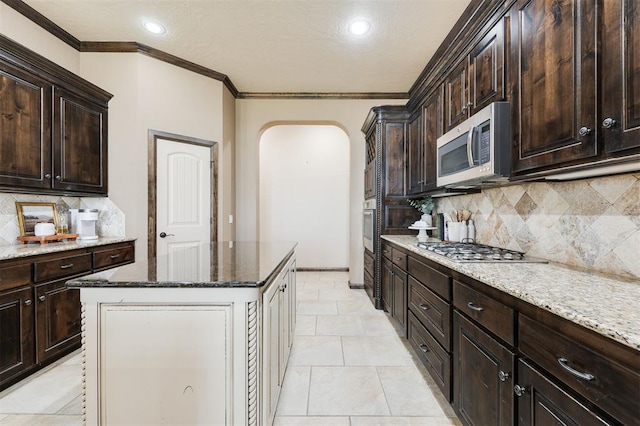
[
  {"x": 25, "y": 129},
  {"x": 477, "y": 80},
  {"x": 423, "y": 133},
  {"x": 53, "y": 127},
  {"x": 620, "y": 117},
  {"x": 79, "y": 144},
  {"x": 553, "y": 82}
]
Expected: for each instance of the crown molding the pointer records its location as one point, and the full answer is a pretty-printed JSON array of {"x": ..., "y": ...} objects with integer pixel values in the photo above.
[
  {"x": 311, "y": 95},
  {"x": 135, "y": 47}
]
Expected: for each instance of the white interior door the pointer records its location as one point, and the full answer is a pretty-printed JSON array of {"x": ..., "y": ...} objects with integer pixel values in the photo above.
[{"x": 183, "y": 211}]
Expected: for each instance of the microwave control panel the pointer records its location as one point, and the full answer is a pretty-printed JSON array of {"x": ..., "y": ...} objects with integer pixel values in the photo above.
[{"x": 485, "y": 143}]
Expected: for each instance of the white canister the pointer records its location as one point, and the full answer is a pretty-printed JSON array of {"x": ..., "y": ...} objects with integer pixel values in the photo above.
[
  {"x": 454, "y": 231},
  {"x": 44, "y": 229}
]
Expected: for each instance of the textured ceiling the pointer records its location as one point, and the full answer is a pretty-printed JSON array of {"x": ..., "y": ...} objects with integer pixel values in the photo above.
[{"x": 276, "y": 45}]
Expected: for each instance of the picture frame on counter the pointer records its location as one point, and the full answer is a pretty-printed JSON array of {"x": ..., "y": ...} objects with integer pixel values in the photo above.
[{"x": 30, "y": 213}]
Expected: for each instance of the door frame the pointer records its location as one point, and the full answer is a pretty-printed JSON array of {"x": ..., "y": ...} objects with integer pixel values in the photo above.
[{"x": 153, "y": 136}]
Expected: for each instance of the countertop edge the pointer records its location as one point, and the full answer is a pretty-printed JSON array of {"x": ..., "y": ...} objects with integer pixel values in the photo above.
[{"x": 15, "y": 251}]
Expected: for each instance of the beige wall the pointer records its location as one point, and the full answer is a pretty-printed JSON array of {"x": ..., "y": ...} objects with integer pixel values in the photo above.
[
  {"x": 20, "y": 29},
  {"x": 253, "y": 116},
  {"x": 148, "y": 94}
]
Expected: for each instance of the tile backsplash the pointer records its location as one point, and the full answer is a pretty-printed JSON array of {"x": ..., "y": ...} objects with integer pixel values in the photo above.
[
  {"x": 111, "y": 222},
  {"x": 589, "y": 223}
]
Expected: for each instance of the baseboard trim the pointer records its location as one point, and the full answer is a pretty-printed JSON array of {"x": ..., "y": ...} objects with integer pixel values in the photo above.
[
  {"x": 356, "y": 286},
  {"x": 322, "y": 269}
]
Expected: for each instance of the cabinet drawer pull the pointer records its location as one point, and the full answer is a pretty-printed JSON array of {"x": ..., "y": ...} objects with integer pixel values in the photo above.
[
  {"x": 398, "y": 258},
  {"x": 42, "y": 298},
  {"x": 58, "y": 177},
  {"x": 424, "y": 348},
  {"x": 27, "y": 302},
  {"x": 424, "y": 306},
  {"x": 114, "y": 256},
  {"x": 564, "y": 363},
  {"x": 474, "y": 307},
  {"x": 503, "y": 376},
  {"x": 66, "y": 266}
]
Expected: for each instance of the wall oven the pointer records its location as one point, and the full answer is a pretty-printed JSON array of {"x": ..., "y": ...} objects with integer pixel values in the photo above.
[
  {"x": 369, "y": 224},
  {"x": 478, "y": 150}
]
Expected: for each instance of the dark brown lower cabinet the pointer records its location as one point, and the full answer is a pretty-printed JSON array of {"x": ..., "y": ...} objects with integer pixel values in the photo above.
[
  {"x": 58, "y": 322},
  {"x": 483, "y": 376},
  {"x": 16, "y": 332},
  {"x": 386, "y": 285},
  {"x": 399, "y": 280},
  {"x": 541, "y": 402}
]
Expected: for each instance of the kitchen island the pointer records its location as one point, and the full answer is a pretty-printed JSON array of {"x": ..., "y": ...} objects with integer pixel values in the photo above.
[{"x": 182, "y": 340}]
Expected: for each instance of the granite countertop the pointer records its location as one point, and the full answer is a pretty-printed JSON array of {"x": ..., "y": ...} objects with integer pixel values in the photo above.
[
  {"x": 33, "y": 249},
  {"x": 604, "y": 303},
  {"x": 220, "y": 264}
]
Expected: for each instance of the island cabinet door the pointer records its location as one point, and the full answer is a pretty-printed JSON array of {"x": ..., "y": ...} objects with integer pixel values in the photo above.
[
  {"x": 16, "y": 332},
  {"x": 160, "y": 363}
]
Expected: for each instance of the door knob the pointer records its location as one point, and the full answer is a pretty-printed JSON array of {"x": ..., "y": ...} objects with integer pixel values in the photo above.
[
  {"x": 164, "y": 234},
  {"x": 584, "y": 131},
  {"x": 608, "y": 123}
]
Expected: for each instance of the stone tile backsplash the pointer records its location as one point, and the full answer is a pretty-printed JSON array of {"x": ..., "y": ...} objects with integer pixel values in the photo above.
[
  {"x": 589, "y": 223},
  {"x": 111, "y": 222}
]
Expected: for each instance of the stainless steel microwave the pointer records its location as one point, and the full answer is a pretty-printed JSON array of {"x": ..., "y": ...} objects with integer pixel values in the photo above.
[{"x": 478, "y": 150}]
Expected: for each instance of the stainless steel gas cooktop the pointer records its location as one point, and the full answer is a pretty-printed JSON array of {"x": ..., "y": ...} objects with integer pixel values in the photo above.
[{"x": 471, "y": 252}]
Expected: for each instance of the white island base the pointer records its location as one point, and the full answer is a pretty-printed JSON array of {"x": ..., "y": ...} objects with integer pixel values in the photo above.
[{"x": 186, "y": 355}]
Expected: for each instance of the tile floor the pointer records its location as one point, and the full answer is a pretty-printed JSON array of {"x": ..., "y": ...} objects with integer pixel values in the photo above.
[{"x": 347, "y": 367}]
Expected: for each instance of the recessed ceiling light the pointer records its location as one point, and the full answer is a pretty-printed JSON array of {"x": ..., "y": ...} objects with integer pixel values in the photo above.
[
  {"x": 153, "y": 27},
  {"x": 359, "y": 27}
]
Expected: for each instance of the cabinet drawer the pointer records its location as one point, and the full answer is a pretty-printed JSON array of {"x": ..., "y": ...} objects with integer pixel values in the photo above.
[
  {"x": 434, "y": 280},
  {"x": 368, "y": 263},
  {"x": 489, "y": 313},
  {"x": 386, "y": 250},
  {"x": 15, "y": 276},
  {"x": 433, "y": 312},
  {"x": 399, "y": 258},
  {"x": 61, "y": 267},
  {"x": 611, "y": 386},
  {"x": 114, "y": 256},
  {"x": 436, "y": 359}
]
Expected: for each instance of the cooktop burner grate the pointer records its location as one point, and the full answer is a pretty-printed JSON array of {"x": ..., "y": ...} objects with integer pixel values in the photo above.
[{"x": 472, "y": 252}]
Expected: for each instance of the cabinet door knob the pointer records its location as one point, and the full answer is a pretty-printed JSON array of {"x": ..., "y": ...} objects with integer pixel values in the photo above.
[
  {"x": 520, "y": 390},
  {"x": 58, "y": 177},
  {"x": 584, "y": 131},
  {"x": 564, "y": 363},
  {"x": 424, "y": 348},
  {"x": 27, "y": 302},
  {"x": 42, "y": 298},
  {"x": 608, "y": 123},
  {"x": 424, "y": 307},
  {"x": 47, "y": 175},
  {"x": 503, "y": 376},
  {"x": 474, "y": 307}
]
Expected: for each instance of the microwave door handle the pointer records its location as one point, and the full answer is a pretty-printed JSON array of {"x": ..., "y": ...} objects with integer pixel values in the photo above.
[{"x": 470, "y": 146}]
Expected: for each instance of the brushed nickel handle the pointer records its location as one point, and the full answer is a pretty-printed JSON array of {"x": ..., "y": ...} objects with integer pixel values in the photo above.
[
  {"x": 608, "y": 123},
  {"x": 474, "y": 307},
  {"x": 584, "y": 131},
  {"x": 424, "y": 348},
  {"x": 42, "y": 298},
  {"x": 520, "y": 390},
  {"x": 503, "y": 376},
  {"x": 424, "y": 307},
  {"x": 564, "y": 363},
  {"x": 27, "y": 302},
  {"x": 114, "y": 256},
  {"x": 66, "y": 266},
  {"x": 58, "y": 177},
  {"x": 47, "y": 175},
  {"x": 398, "y": 258}
]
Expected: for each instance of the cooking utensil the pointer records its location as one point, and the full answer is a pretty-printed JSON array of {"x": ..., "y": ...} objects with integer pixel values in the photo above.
[{"x": 466, "y": 214}]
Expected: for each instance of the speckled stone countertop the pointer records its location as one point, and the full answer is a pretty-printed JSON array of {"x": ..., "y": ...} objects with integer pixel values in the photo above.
[
  {"x": 227, "y": 264},
  {"x": 34, "y": 249},
  {"x": 604, "y": 303}
]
